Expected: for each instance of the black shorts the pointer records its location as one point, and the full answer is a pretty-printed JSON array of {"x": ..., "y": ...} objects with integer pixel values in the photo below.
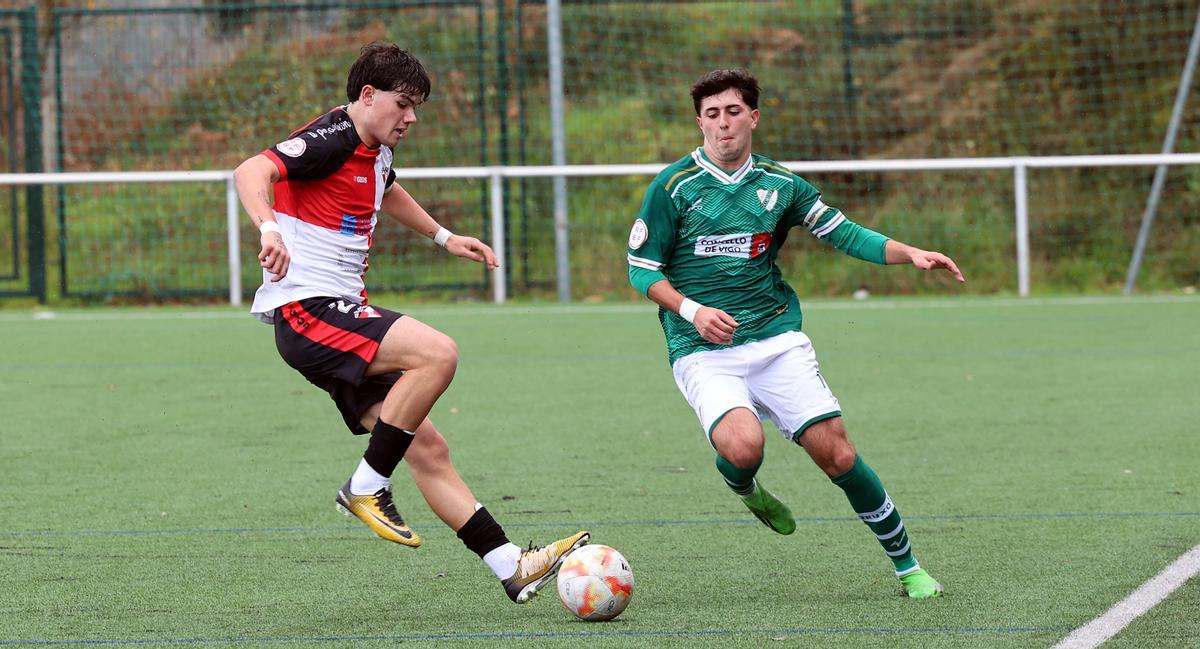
[{"x": 331, "y": 342}]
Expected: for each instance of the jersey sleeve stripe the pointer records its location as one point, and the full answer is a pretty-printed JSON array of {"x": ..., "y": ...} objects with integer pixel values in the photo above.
[
  {"x": 271, "y": 155},
  {"x": 689, "y": 170},
  {"x": 814, "y": 213},
  {"x": 648, "y": 264},
  {"x": 832, "y": 225},
  {"x": 681, "y": 184},
  {"x": 776, "y": 167}
]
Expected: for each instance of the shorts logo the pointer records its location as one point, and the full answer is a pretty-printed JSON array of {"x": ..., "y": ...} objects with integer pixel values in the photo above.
[
  {"x": 362, "y": 180},
  {"x": 297, "y": 316},
  {"x": 768, "y": 197},
  {"x": 742, "y": 246},
  {"x": 638, "y": 235},
  {"x": 292, "y": 148},
  {"x": 359, "y": 311}
]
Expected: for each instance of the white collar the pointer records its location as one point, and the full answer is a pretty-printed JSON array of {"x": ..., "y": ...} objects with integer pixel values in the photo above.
[{"x": 720, "y": 174}]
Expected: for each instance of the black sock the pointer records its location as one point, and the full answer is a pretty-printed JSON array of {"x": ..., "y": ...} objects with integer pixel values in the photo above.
[
  {"x": 481, "y": 533},
  {"x": 387, "y": 447}
]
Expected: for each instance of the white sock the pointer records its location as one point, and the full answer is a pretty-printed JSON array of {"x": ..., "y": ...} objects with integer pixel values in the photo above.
[
  {"x": 366, "y": 481},
  {"x": 751, "y": 490},
  {"x": 503, "y": 560}
]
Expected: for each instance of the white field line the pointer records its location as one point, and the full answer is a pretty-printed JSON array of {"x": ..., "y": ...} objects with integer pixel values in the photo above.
[
  {"x": 1146, "y": 597},
  {"x": 217, "y": 313}
]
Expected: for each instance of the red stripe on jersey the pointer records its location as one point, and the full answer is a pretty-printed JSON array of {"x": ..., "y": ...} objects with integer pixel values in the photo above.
[
  {"x": 278, "y": 163},
  {"x": 343, "y": 201},
  {"x": 366, "y": 265},
  {"x": 323, "y": 333}
]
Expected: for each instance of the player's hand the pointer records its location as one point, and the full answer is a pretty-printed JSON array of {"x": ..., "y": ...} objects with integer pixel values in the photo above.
[
  {"x": 715, "y": 325},
  {"x": 473, "y": 249},
  {"x": 274, "y": 256},
  {"x": 929, "y": 260}
]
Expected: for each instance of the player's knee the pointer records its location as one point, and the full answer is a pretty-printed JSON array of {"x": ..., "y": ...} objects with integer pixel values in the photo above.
[
  {"x": 829, "y": 446},
  {"x": 841, "y": 451},
  {"x": 429, "y": 451},
  {"x": 841, "y": 460},
  {"x": 442, "y": 353},
  {"x": 743, "y": 455}
]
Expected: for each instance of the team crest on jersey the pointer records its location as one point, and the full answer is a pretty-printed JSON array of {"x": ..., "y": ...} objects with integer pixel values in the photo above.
[
  {"x": 638, "y": 235},
  {"x": 742, "y": 246},
  {"x": 292, "y": 148},
  {"x": 768, "y": 197}
]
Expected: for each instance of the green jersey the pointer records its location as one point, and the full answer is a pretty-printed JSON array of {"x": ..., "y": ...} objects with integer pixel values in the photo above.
[{"x": 715, "y": 236}]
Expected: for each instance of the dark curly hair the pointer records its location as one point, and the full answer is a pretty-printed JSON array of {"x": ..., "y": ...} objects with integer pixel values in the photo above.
[
  {"x": 388, "y": 68},
  {"x": 718, "y": 81}
]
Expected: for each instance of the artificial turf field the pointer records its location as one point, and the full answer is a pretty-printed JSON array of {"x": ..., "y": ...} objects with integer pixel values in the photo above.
[{"x": 168, "y": 481}]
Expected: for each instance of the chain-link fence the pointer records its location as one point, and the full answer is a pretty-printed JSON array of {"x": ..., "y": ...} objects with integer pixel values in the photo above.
[
  {"x": 203, "y": 87},
  {"x": 22, "y": 218}
]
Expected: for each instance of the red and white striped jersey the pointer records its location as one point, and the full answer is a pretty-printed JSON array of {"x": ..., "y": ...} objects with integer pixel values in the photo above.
[{"x": 326, "y": 201}]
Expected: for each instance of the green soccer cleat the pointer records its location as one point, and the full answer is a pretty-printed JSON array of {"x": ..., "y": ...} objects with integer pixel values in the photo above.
[
  {"x": 919, "y": 585},
  {"x": 773, "y": 513},
  {"x": 538, "y": 565}
]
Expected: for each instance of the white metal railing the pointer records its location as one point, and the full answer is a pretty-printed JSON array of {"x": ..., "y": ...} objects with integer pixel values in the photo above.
[{"x": 1019, "y": 164}]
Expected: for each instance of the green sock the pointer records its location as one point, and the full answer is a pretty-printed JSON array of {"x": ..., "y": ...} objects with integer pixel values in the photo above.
[
  {"x": 872, "y": 504},
  {"x": 741, "y": 481}
]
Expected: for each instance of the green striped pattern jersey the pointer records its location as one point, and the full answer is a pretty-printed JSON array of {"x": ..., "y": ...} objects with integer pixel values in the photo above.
[{"x": 715, "y": 236}]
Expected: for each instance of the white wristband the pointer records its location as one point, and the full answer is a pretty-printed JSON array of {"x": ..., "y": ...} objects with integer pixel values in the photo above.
[
  {"x": 443, "y": 235},
  {"x": 268, "y": 226},
  {"x": 688, "y": 309}
]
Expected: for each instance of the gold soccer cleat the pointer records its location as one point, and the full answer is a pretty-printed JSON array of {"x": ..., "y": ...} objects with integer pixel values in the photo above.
[
  {"x": 378, "y": 511},
  {"x": 538, "y": 565}
]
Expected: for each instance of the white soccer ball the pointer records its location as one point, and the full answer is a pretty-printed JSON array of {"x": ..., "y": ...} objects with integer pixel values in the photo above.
[{"x": 595, "y": 583}]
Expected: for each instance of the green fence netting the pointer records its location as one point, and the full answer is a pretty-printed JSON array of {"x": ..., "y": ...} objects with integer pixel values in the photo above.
[
  {"x": 22, "y": 233},
  {"x": 205, "y": 86}
]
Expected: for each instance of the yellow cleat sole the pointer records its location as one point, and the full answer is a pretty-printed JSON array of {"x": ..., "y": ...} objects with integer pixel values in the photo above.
[{"x": 412, "y": 541}]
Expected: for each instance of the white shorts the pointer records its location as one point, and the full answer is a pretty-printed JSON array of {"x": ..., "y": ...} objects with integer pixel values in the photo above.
[{"x": 776, "y": 378}]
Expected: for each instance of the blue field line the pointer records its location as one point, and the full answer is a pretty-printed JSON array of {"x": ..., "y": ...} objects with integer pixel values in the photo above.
[
  {"x": 601, "y": 524},
  {"x": 1004, "y": 630}
]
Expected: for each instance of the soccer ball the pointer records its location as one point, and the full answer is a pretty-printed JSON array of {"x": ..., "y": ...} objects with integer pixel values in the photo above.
[{"x": 595, "y": 583}]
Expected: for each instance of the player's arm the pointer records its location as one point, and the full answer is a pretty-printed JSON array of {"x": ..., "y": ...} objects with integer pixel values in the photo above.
[
  {"x": 832, "y": 226},
  {"x": 864, "y": 243},
  {"x": 650, "y": 243},
  {"x": 253, "y": 179},
  {"x": 902, "y": 253},
  {"x": 401, "y": 206},
  {"x": 713, "y": 324}
]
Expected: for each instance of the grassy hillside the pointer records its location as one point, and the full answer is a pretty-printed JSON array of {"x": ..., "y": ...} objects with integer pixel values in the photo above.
[{"x": 931, "y": 78}]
